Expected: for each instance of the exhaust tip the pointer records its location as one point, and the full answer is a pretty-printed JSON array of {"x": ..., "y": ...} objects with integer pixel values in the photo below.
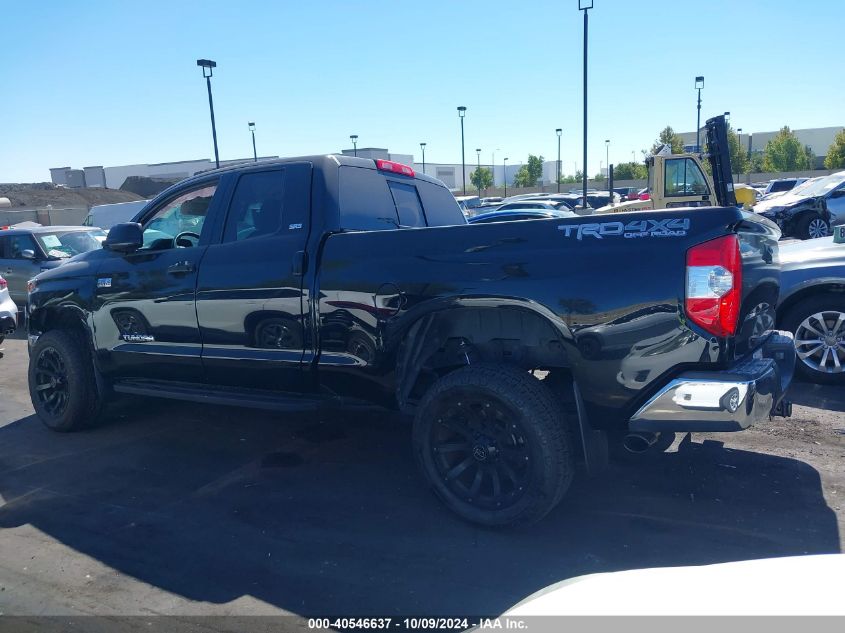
[{"x": 639, "y": 442}]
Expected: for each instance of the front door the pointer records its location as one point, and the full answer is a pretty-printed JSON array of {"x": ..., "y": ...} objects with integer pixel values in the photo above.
[
  {"x": 145, "y": 321},
  {"x": 19, "y": 262},
  {"x": 684, "y": 184},
  {"x": 251, "y": 299}
]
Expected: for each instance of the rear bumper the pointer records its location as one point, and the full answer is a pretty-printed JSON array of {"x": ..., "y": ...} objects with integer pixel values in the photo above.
[
  {"x": 8, "y": 317},
  {"x": 728, "y": 400}
]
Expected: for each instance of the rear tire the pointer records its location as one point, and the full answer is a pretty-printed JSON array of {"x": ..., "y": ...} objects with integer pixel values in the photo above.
[
  {"x": 811, "y": 226},
  {"x": 804, "y": 322},
  {"x": 62, "y": 383},
  {"x": 492, "y": 442}
]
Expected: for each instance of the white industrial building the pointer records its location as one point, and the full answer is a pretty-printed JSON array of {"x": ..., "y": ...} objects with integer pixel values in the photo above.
[
  {"x": 819, "y": 140},
  {"x": 449, "y": 173}
]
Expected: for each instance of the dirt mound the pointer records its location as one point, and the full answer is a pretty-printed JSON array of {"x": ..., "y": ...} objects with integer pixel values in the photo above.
[{"x": 42, "y": 194}]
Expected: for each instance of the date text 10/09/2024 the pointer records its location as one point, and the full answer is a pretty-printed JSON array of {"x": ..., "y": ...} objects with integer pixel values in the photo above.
[{"x": 428, "y": 624}]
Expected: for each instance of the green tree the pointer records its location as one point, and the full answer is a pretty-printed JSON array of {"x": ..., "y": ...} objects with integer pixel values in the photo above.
[
  {"x": 530, "y": 173},
  {"x": 785, "y": 153},
  {"x": 630, "y": 171},
  {"x": 739, "y": 156},
  {"x": 836, "y": 153},
  {"x": 481, "y": 178},
  {"x": 669, "y": 137}
]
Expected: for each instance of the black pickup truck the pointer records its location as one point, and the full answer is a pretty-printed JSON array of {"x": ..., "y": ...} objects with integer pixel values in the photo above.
[{"x": 520, "y": 348}]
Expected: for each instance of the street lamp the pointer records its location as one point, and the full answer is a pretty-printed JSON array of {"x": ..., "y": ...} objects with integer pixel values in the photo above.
[
  {"x": 699, "y": 84},
  {"x": 749, "y": 156},
  {"x": 478, "y": 171},
  {"x": 208, "y": 67},
  {"x": 354, "y": 138},
  {"x": 251, "y": 125},
  {"x": 461, "y": 114},
  {"x": 505, "y": 169},
  {"x": 422, "y": 147},
  {"x": 606, "y": 156},
  {"x": 585, "y": 6},
  {"x": 558, "y": 131}
]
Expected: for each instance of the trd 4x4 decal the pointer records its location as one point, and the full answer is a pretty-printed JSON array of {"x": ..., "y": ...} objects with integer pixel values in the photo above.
[{"x": 669, "y": 227}]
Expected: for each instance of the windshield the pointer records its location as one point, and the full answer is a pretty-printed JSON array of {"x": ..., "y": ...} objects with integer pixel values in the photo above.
[
  {"x": 823, "y": 185},
  {"x": 64, "y": 244}
]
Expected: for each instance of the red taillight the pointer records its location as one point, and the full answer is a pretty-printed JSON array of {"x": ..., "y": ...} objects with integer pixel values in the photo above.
[
  {"x": 3, "y": 284},
  {"x": 396, "y": 168},
  {"x": 644, "y": 196},
  {"x": 714, "y": 285}
]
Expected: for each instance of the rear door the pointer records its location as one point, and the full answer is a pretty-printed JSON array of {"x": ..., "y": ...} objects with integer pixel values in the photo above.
[
  {"x": 251, "y": 298},
  {"x": 15, "y": 267}
]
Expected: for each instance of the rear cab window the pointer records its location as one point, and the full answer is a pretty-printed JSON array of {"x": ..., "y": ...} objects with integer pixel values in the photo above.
[{"x": 372, "y": 201}]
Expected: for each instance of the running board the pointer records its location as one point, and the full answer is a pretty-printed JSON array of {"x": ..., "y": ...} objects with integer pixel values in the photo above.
[{"x": 236, "y": 397}]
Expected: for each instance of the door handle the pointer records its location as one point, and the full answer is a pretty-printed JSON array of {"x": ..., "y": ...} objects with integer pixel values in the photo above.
[{"x": 180, "y": 268}]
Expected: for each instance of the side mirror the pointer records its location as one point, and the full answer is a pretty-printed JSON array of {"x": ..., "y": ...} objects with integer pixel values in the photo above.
[
  {"x": 28, "y": 253},
  {"x": 124, "y": 238}
]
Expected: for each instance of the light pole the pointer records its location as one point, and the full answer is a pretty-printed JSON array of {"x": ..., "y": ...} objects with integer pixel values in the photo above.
[
  {"x": 478, "y": 171},
  {"x": 585, "y": 6},
  {"x": 749, "y": 156},
  {"x": 505, "y": 169},
  {"x": 354, "y": 139},
  {"x": 208, "y": 67},
  {"x": 558, "y": 131},
  {"x": 461, "y": 114},
  {"x": 699, "y": 84},
  {"x": 422, "y": 147},
  {"x": 251, "y": 125},
  {"x": 606, "y": 157}
]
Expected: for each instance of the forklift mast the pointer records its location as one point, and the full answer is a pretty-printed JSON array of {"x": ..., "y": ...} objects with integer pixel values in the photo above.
[{"x": 719, "y": 155}]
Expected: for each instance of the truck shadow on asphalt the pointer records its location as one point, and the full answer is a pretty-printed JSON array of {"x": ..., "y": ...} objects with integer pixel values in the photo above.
[{"x": 329, "y": 516}]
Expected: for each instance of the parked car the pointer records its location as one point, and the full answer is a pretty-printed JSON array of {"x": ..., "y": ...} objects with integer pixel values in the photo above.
[
  {"x": 8, "y": 311},
  {"x": 626, "y": 193},
  {"x": 812, "y": 306},
  {"x": 469, "y": 204},
  {"x": 533, "y": 204},
  {"x": 336, "y": 280},
  {"x": 25, "y": 252},
  {"x": 781, "y": 185},
  {"x": 810, "y": 211},
  {"x": 520, "y": 214},
  {"x": 105, "y": 216}
]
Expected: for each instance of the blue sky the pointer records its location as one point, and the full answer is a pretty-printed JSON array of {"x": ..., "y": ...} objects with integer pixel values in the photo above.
[{"x": 112, "y": 83}]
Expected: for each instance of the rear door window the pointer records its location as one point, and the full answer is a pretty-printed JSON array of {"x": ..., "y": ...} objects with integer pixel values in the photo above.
[{"x": 366, "y": 203}]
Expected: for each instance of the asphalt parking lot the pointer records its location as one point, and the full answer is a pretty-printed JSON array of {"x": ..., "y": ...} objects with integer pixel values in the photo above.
[{"x": 175, "y": 508}]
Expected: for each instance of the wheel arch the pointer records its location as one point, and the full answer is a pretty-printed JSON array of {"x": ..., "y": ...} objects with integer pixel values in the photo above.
[
  {"x": 833, "y": 287},
  {"x": 511, "y": 333},
  {"x": 64, "y": 316}
]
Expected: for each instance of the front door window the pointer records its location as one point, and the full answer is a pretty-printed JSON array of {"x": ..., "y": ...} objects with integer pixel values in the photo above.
[{"x": 683, "y": 177}]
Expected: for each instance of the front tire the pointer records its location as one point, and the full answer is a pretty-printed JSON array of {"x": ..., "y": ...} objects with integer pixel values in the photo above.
[
  {"x": 811, "y": 226},
  {"x": 62, "y": 384},
  {"x": 492, "y": 442},
  {"x": 818, "y": 324}
]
